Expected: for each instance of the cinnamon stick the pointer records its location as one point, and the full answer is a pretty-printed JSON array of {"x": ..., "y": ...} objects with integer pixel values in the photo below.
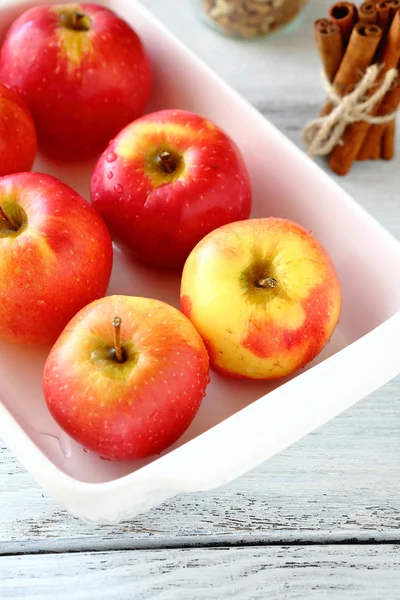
[
  {"x": 384, "y": 8},
  {"x": 344, "y": 14},
  {"x": 344, "y": 155},
  {"x": 330, "y": 46},
  {"x": 368, "y": 12},
  {"x": 386, "y": 11},
  {"x": 360, "y": 52},
  {"x": 395, "y": 4},
  {"x": 374, "y": 135},
  {"x": 376, "y": 155},
  {"x": 388, "y": 141}
]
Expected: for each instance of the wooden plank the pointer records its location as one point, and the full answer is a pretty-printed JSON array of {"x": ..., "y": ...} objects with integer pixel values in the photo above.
[
  {"x": 287, "y": 573},
  {"x": 341, "y": 482}
]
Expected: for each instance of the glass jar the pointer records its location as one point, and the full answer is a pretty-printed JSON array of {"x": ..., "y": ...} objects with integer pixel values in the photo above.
[{"x": 251, "y": 18}]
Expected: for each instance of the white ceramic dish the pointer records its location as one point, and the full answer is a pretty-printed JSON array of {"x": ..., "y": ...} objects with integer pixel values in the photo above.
[{"x": 240, "y": 424}]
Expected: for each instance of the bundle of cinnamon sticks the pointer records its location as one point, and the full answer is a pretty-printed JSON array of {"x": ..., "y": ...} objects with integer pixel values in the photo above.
[{"x": 349, "y": 41}]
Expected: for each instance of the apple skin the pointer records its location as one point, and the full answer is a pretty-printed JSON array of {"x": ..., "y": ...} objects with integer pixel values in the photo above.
[
  {"x": 18, "y": 143},
  {"x": 57, "y": 262},
  {"x": 256, "y": 332},
  {"x": 136, "y": 408},
  {"x": 158, "y": 216},
  {"x": 81, "y": 86}
]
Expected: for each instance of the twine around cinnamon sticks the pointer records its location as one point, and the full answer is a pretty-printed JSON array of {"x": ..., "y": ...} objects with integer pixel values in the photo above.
[{"x": 360, "y": 55}]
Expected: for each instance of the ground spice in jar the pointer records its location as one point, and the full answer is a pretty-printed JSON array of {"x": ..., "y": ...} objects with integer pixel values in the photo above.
[{"x": 251, "y": 18}]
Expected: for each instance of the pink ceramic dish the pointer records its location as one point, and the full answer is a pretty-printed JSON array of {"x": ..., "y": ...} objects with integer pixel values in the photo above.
[{"x": 240, "y": 424}]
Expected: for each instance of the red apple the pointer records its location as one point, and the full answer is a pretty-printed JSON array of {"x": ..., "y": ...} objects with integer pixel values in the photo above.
[
  {"x": 17, "y": 134},
  {"x": 166, "y": 181},
  {"x": 55, "y": 257},
  {"x": 126, "y": 377},
  {"x": 264, "y": 295},
  {"x": 82, "y": 71}
]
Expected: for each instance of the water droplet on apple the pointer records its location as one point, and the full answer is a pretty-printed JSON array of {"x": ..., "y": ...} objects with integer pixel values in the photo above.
[
  {"x": 118, "y": 188},
  {"x": 111, "y": 157},
  {"x": 110, "y": 175},
  {"x": 85, "y": 450}
]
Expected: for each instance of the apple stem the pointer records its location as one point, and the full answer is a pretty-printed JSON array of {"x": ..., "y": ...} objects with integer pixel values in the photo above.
[
  {"x": 8, "y": 220},
  {"x": 267, "y": 283},
  {"x": 167, "y": 162},
  {"x": 117, "y": 339},
  {"x": 76, "y": 20}
]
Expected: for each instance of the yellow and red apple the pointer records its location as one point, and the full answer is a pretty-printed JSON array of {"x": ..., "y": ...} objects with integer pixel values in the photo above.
[
  {"x": 55, "y": 257},
  {"x": 17, "y": 134},
  {"x": 126, "y": 377},
  {"x": 166, "y": 181},
  {"x": 264, "y": 295},
  {"x": 82, "y": 71}
]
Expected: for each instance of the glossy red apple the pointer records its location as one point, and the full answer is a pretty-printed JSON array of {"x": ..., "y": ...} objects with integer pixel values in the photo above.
[
  {"x": 82, "y": 71},
  {"x": 17, "y": 134},
  {"x": 126, "y": 377},
  {"x": 166, "y": 181},
  {"x": 55, "y": 257}
]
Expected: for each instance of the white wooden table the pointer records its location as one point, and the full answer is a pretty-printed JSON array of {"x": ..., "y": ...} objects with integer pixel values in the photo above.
[{"x": 321, "y": 520}]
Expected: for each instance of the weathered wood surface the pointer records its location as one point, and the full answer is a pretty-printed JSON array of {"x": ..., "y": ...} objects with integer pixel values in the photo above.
[
  {"x": 295, "y": 573},
  {"x": 341, "y": 482}
]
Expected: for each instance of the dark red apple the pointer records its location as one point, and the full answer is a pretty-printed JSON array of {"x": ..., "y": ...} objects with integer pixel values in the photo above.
[
  {"x": 55, "y": 257},
  {"x": 17, "y": 134},
  {"x": 126, "y": 377},
  {"x": 166, "y": 181},
  {"x": 82, "y": 71}
]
